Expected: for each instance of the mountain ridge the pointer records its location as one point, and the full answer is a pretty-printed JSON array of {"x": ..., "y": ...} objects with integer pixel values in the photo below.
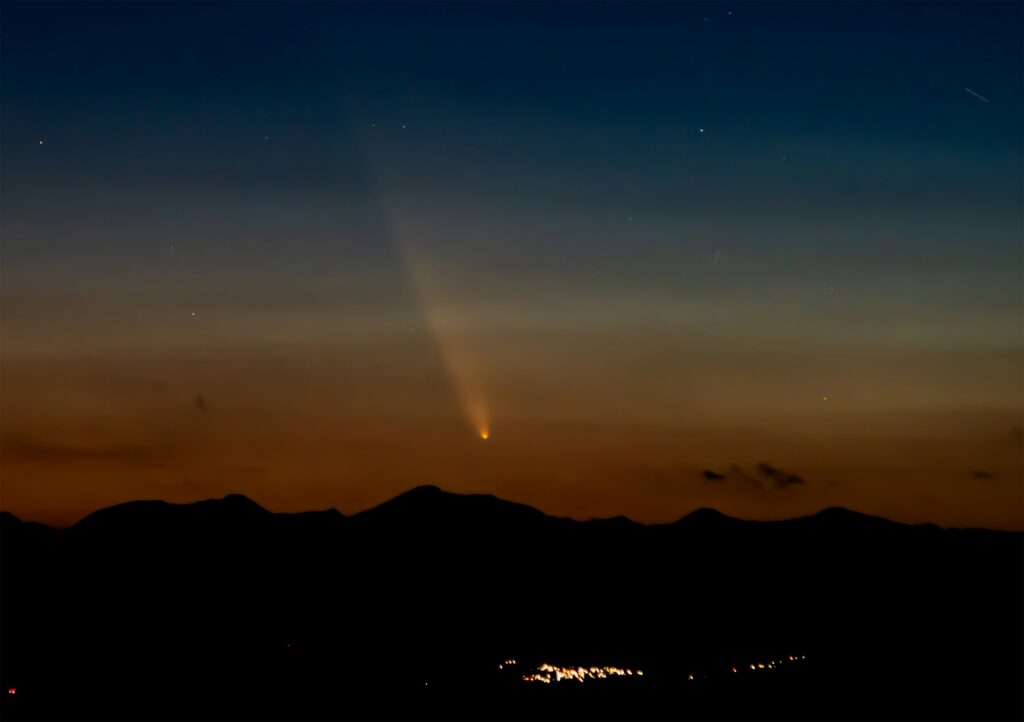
[{"x": 413, "y": 503}]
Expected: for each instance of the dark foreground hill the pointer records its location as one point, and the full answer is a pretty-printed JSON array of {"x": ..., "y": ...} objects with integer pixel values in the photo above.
[{"x": 416, "y": 609}]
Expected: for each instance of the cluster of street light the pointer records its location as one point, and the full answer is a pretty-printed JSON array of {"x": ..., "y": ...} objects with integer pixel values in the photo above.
[
  {"x": 774, "y": 663},
  {"x": 548, "y": 673},
  {"x": 771, "y": 664}
]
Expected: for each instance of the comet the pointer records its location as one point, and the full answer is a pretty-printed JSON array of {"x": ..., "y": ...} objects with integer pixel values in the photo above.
[
  {"x": 445, "y": 323},
  {"x": 451, "y": 331}
]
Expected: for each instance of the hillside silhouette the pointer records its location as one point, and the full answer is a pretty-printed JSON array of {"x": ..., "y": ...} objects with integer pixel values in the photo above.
[{"x": 222, "y": 609}]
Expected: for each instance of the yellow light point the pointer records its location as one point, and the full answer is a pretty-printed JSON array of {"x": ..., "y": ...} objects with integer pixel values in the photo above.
[{"x": 485, "y": 435}]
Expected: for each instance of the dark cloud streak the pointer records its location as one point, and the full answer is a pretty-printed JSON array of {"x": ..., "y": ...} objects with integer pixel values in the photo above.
[{"x": 782, "y": 479}]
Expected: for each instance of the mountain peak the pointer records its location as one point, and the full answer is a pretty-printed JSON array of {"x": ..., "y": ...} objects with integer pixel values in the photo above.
[
  {"x": 234, "y": 502},
  {"x": 840, "y": 512},
  {"x": 425, "y": 491},
  {"x": 430, "y": 504},
  {"x": 704, "y": 517},
  {"x": 840, "y": 516}
]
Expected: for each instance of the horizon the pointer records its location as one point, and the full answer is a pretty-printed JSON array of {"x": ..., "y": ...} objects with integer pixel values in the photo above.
[{"x": 347, "y": 514}]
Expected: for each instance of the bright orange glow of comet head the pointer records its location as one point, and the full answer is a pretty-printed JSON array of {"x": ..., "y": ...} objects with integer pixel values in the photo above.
[{"x": 485, "y": 434}]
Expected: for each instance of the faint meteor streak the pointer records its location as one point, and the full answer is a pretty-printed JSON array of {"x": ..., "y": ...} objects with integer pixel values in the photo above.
[{"x": 982, "y": 98}]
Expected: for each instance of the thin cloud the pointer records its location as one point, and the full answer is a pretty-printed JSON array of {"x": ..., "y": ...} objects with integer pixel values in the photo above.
[
  {"x": 24, "y": 448},
  {"x": 736, "y": 472}
]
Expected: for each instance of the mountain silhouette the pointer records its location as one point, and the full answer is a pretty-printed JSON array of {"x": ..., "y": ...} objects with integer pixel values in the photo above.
[
  {"x": 423, "y": 506},
  {"x": 9, "y": 521},
  {"x": 223, "y": 609},
  {"x": 705, "y": 518},
  {"x": 429, "y": 506},
  {"x": 150, "y": 516}
]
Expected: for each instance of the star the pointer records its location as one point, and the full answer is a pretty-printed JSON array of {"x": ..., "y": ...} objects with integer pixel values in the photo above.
[
  {"x": 700, "y": 130},
  {"x": 40, "y": 142}
]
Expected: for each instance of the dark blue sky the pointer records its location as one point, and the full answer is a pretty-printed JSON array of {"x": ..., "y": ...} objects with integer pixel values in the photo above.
[
  {"x": 648, "y": 215},
  {"x": 182, "y": 93}
]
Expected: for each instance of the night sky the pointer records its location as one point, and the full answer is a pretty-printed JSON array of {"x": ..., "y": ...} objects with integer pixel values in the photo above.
[{"x": 760, "y": 257}]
